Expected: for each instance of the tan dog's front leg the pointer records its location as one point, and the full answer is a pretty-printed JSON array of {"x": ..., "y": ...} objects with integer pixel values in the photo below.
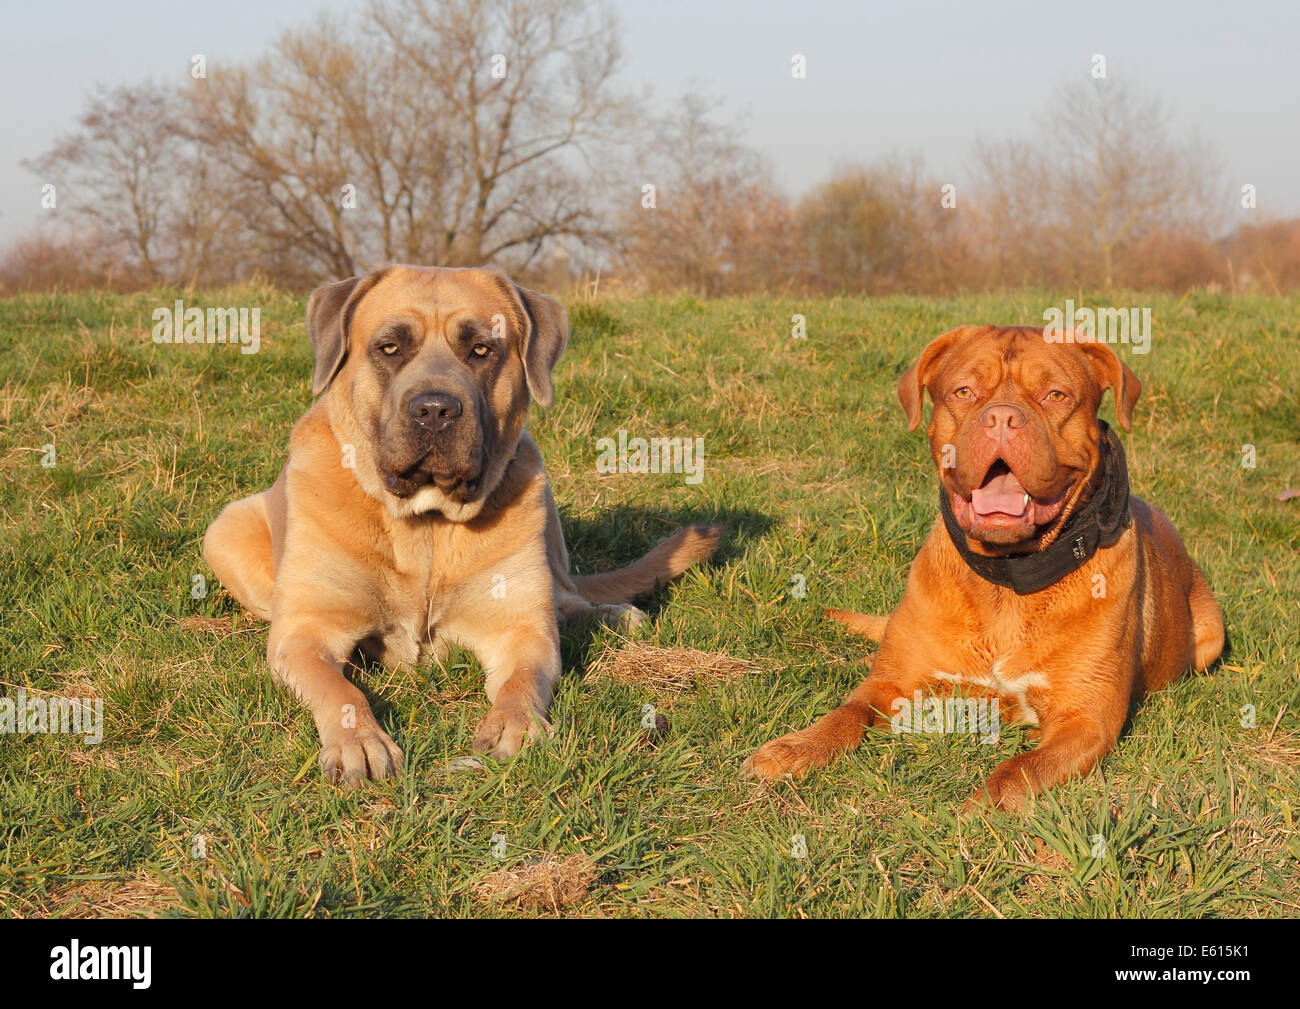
[
  {"x": 522, "y": 668},
  {"x": 353, "y": 746}
]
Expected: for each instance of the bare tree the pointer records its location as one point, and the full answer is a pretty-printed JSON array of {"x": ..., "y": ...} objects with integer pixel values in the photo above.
[
  {"x": 133, "y": 176},
  {"x": 881, "y": 228},
  {"x": 526, "y": 94},
  {"x": 1103, "y": 176},
  {"x": 118, "y": 171},
  {"x": 330, "y": 156},
  {"x": 445, "y": 131},
  {"x": 714, "y": 223}
]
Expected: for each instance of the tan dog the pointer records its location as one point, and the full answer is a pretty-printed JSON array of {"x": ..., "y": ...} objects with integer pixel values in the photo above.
[
  {"x": 1043, "y": 583},
  {"x": 414, "y": 510}
]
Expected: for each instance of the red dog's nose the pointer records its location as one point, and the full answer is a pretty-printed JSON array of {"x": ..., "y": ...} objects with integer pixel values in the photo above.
[{"x": 1001, "y": 420}]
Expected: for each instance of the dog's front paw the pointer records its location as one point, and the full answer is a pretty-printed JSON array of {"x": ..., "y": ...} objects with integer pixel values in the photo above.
[
  {"x": 793, "y": 754},
  {"x": 351, "y": 756},
  {"x": 504, "y": 730},
  {"x": 1008, "y": 788}
]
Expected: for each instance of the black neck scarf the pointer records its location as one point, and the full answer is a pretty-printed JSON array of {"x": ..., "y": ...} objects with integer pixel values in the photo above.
[{"x": 1095, "y": 526}]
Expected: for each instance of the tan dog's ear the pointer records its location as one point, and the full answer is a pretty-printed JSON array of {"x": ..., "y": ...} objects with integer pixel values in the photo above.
[
  {"x": 548, "y": 335},
  {"x": 1112, "y": 373},
  {"x": 911, "y": 387},
  {"x": 329, "y": 313}
]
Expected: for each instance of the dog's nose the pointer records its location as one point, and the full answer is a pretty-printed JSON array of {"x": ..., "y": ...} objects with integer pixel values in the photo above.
[
  {"x": 1001, "y": 419},
  {"x": 434, "y": 410}
]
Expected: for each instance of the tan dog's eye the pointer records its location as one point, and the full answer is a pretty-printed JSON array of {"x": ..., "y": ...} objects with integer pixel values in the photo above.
[
  {"x": 389, "y": 349},
  {"x": 964, "y": 392},
  {"x": 1055, "y": 396},
  {"x": 481, "y": 350}
]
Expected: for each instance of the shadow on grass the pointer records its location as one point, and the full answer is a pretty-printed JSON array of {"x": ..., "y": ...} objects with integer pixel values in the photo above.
[
  {"x": 620, "y": 535},
  {"x": 1137, "y": 702}
]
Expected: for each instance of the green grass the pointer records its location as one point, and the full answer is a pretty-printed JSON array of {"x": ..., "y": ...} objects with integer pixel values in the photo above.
[{"x": 807, "y": 458}]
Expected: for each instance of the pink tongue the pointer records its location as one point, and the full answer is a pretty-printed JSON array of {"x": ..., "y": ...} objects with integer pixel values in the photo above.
[{"x": 1001, "y": 494}]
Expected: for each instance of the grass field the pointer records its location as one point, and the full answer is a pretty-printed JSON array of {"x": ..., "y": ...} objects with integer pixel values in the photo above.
[{"x": 806, "y": 457}]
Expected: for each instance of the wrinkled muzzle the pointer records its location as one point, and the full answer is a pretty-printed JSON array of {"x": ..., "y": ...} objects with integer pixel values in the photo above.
[
  {"x": 433, "y": 429},
  {"x": 1007, "y": 483}
]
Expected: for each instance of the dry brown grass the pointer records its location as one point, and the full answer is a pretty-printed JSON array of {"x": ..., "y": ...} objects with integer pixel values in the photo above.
[
  {"x": 668, "y": 669},
  {"x": 550, "y": 884},
  {"x": 222, "y": 627},
  {"x": 141, "y": 896}
]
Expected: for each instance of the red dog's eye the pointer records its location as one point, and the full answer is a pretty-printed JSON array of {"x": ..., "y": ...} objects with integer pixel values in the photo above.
[
  {"x": 1056, "y": 395},
  {"x": 963, "y": 393}
]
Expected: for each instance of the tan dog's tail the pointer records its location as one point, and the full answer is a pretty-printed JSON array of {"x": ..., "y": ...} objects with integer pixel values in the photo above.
[
  {"x": 663, "y": 563},
  {"x": 867, "y": 624}
]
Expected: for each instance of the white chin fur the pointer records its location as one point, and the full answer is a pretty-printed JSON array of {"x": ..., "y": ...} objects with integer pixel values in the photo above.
[{"x": 430, "y": 499}]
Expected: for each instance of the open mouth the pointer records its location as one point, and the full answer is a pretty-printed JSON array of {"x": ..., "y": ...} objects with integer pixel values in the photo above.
[
  {"x": 1000, "y": 494},
  {"x": 1001, "y": 502}
]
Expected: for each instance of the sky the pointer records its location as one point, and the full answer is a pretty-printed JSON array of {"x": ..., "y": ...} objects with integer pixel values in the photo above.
[{"x": 923, "y": 79}]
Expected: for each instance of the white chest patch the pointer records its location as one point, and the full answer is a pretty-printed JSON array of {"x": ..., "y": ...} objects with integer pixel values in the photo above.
[{"x": 1012, "y": 686}]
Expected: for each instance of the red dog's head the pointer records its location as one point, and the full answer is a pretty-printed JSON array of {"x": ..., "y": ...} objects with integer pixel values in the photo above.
[{"x": 1014, "y": 428}]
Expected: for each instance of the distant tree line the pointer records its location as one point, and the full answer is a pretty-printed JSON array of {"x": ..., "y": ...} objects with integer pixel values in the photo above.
[{"x": 460, "y": 132}]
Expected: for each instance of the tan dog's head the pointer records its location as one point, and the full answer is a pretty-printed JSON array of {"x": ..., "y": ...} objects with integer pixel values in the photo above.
[
  {"x": 433, "y": 369},
  {"x": 1014, "y": 428}
]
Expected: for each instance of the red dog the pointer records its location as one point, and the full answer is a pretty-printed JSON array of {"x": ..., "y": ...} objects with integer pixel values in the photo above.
[{"x": 1043, "y": 582}]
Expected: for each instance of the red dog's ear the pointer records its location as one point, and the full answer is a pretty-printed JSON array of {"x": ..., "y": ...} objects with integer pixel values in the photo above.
[
  {"x": 911, "y": 387},
  {"x": 1112, "y": 373}
]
